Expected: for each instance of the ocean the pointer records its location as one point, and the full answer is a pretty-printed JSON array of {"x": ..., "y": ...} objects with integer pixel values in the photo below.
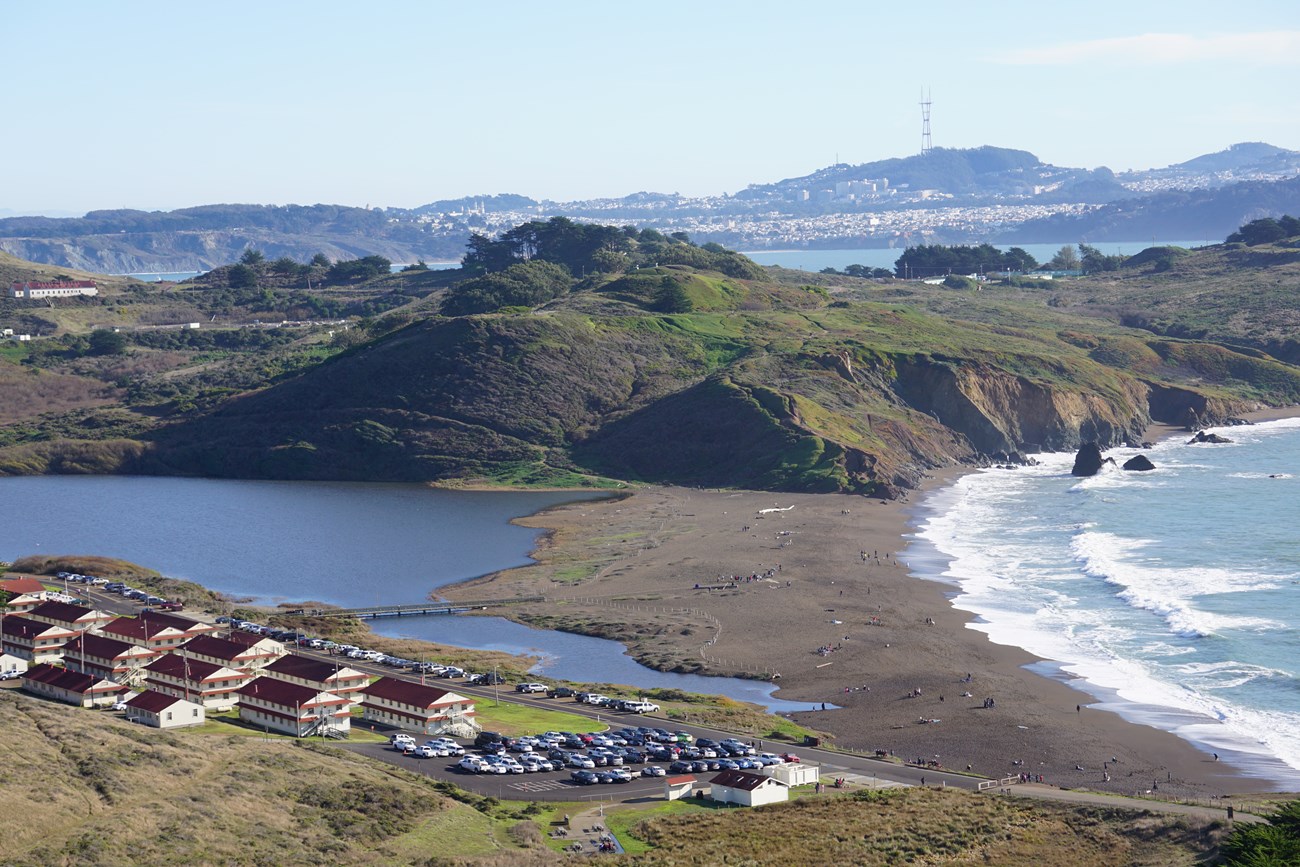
[{"x": 1171, "y": 596}]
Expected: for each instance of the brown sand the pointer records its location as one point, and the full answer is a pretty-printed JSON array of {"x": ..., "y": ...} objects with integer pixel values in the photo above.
[{"x": 651, "y": 549}]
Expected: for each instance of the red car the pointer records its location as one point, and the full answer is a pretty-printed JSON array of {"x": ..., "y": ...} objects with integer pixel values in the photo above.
[{"x": 790, "y": 757}]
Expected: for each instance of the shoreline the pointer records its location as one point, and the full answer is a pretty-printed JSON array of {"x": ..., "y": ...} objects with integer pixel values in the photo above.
[{"x": 933, "y": 650}]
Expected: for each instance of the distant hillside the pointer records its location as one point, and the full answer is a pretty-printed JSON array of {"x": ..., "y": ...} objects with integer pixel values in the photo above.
[
  {"x": 196, "y": 239},
  {"x": 1243, "y": 157},
  {"x": 1192, "y": 214}
]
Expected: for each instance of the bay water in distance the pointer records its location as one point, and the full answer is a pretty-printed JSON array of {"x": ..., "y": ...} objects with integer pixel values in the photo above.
[
  {"x": 1172, "y": 596},
  {"x": 885, "y": 257}
]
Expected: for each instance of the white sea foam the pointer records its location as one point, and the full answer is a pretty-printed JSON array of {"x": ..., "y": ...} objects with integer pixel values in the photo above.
[{"x": 1160, "y": 593}]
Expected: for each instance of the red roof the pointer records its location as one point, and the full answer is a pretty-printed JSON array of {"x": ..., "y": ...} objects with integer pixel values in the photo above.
[
  {"x": 406, "y": 692},
  {"x": 218, "y": 648},
  {"x": 150, "y": 701},
  {"x": 62, "y": 678},
  {"x": 180, "y": 667},
  {"x": 248, "y": 639},
  {"x": 741, "y": 780},
  {"x": 98, "y": 646},
  {"x": 184, "y": 624},
  {"x": 64, "y": 612},
  {"x": 16, "y": 626},
  {"x": 294, "y": 665},
  {"x": 19, "y": 586},
  {"x": 142, "y": 629},
  {"x": 279, "y": 692},
  {"x": 679, "y": 780},
  {"x": 53, "y": 284}
]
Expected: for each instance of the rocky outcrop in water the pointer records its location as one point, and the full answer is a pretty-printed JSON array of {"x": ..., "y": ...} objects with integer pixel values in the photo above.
[
  {"x": 1203, "y": 437},
  {"x": 1139, "y": 464},
  {"x": 1088, "y": 462}
]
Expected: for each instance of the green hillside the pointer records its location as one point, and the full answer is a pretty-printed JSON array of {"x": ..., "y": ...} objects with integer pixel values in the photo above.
[{"x": 604, "y": 354}]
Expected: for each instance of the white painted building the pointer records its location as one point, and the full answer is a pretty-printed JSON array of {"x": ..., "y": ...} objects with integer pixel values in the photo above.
[
  {"x": 164, "y": 711},
  {"x": 54, "y": 288},
  {"x": 746, "y": 789}
]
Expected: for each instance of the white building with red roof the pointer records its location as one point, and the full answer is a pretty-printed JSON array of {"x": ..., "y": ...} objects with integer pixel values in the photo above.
[
  {"x": 163, "y": 711},
  {"x": 294, "y": 710},
  {"x": 33, "y": 640},
  {"x": 72, "y": 616},
  {"x": 319, "y": 674},
  {"x": 213, "y": 686},
  {"x": 107, "y": 657},
  {"x": 145, "y": 632},
  {"x": 70, "y": 687},
  {"x": 408, "y": 705},
  {"x": 747, "y": 789},
  {"x": 231, "y": 654}
]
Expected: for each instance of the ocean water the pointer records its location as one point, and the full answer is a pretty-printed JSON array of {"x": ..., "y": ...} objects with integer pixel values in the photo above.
[{"x": 1171, "y": 596}]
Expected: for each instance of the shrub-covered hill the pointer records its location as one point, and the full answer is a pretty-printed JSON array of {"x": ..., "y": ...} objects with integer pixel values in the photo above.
[
  {"x": 826, "y": 396},
  {"x": 570, "y": 354}
]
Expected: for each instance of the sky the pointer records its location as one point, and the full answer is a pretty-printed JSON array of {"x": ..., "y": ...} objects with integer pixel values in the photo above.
[{"x": 163, "y": 105}]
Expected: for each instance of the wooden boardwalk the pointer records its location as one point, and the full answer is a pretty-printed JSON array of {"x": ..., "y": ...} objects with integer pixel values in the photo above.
[{"x": 414, "y": 609}]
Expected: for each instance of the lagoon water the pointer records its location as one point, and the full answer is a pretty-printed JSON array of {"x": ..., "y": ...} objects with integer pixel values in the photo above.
[
  {"x": 885, "y": 257},
  {"x": 1171, "y": 595},
  {"x": 345, "y": 543}
]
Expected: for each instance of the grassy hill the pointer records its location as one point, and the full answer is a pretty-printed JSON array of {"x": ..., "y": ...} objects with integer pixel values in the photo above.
[
  {"x": 88, "y": 788},
  {"x": 664, "y": 372}
]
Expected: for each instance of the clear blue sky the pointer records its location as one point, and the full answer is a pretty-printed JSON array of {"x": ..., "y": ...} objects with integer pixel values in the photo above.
[{"x": 159, "y": 105}]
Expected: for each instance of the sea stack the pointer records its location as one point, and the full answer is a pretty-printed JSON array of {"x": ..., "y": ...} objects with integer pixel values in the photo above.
[
  {"x": 1139, "y": 463},
  {"x": 1089, "y": 460},
  {"x": 1203, "y": 437}
]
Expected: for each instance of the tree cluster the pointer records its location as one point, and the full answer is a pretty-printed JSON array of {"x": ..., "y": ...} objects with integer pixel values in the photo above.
[
  {"x": 1266, "y": 231},
  {"x": 523, "y": 284},
  {"x": 510, "y": 269},
  {"x": 938, "y": 260},
  {"x": 863, "y": 271},
  {"x": 1276, "y": 842}
]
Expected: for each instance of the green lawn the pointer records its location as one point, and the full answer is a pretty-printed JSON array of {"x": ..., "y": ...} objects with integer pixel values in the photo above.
[{"x": 517, "y": 719}]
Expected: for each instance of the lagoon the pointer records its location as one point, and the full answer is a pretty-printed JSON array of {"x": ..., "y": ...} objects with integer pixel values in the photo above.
[{"x": 344, "y": 543}]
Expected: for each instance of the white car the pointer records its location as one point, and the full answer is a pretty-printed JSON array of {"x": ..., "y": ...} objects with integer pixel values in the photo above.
[
  {"x": 474, "y": 765},
  {"x": 533, "y": 763},
  {"x": 449, "y": 745},
  {"x": 426, "y": 752},
  {"x": 641, "y": 706},
  {"x": 120, "y": 704},
  {"x": 401, "y": 742},
  {"x": 578, "y": 760},
  {"x": 530, "y": 687}
]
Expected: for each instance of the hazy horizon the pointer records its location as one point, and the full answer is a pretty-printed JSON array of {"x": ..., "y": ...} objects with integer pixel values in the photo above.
[{"x": 408, "y": 103}]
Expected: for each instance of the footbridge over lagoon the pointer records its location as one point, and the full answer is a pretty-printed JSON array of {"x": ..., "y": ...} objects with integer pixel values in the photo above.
[
  {"x": 413, "y": 609},
  {"x": 445, "y": 606}
]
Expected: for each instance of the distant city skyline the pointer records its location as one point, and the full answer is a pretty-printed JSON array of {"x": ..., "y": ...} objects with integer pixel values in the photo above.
[{"x": 158, "y": 106}]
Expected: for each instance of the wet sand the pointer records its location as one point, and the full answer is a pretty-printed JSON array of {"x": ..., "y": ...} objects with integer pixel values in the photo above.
[{"x": 840, "y": 582}]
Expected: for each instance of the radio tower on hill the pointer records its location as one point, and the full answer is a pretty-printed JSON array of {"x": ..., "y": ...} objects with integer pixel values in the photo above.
[{"x": 926, "y": 146}]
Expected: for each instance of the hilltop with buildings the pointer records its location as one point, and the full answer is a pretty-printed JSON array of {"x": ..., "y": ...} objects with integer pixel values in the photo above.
[{"x": 975, "y": 195}]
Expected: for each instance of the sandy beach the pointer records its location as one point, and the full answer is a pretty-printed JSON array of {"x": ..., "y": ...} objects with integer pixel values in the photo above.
[{"x": 828, "y": 571}]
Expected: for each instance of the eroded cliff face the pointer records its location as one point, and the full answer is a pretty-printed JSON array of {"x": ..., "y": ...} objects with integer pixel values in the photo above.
[{"x": 998, "y": 411}]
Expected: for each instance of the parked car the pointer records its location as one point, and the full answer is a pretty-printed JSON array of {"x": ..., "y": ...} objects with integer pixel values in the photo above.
[
  {"x": 584, "y": 778},
  {"x": 397, "y": 741},
  {"x": 530, "y": 687},
  {"x": 653, "y": 771},
  {"x": 425, "y": 752},
  {"x": 562, "y": 692},
  {"x": 473, "y": 765}
]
